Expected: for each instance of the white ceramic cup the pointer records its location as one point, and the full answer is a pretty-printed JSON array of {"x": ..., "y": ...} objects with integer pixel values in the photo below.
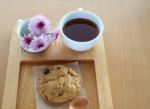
[{"x": 77, "y": 45}]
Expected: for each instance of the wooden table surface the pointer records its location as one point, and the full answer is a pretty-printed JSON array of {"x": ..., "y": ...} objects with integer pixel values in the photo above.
[{"x": 126, "y": 38}]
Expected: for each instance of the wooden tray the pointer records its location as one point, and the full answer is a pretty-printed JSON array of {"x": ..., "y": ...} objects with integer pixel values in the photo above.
[
  {"x": 26, "y": 98},
  {"x": 14, "y": 91}
]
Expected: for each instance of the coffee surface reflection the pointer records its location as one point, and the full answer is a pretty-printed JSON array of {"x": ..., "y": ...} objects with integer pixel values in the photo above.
[{"x": 81, "y": 30}]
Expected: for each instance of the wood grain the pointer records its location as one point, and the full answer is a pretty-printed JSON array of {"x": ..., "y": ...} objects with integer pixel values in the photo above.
[{"x": 126, "y": 40}]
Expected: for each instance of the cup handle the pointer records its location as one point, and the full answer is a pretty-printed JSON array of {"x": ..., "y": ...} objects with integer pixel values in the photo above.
[
  {"x": 19, "y": 23},
  {"x": 80, "y": 9}
]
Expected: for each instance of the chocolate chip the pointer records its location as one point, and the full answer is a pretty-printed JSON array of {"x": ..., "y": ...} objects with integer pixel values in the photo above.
[
  {"x": 46, "y": 97},
  {"x": 46, "y": 71},
  {"x": 60, "y": 94},
  {"x": 58, "y": 68}
]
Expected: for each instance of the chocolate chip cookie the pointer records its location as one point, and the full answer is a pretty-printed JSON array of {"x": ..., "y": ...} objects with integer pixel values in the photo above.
[{"x": 59, "y": 84}]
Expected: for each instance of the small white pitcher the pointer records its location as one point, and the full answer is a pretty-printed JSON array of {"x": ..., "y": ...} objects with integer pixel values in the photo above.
[{"x": 22, "y": 29}]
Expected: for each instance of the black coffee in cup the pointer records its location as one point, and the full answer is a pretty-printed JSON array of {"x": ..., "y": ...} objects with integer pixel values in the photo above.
[{"x": 81, "y": 30}]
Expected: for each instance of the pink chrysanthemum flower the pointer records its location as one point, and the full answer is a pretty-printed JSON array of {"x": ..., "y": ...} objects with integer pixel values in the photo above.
[
  {"x": 26, "y": 41},
  {"x": 55, "y": 33},
  {"x": 40, "y": 43},
  {"x": 39, "y": 25}
]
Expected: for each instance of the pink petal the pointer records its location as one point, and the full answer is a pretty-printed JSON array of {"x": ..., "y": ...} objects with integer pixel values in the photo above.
[
  {"x": 39, "y": 25},
  {"x": 55, "y": 33}
]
